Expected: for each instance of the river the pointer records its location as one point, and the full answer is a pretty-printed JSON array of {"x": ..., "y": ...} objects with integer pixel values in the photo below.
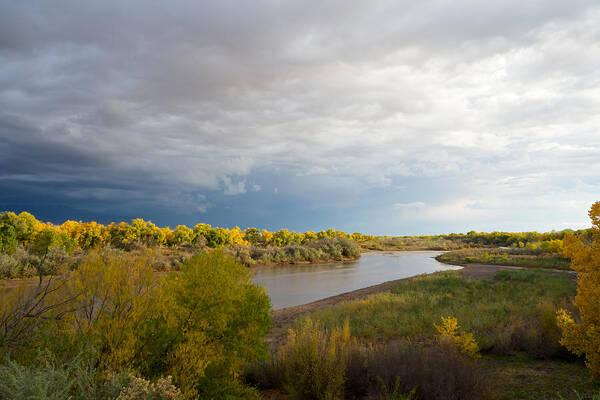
[{"x": 299, "y": 284}]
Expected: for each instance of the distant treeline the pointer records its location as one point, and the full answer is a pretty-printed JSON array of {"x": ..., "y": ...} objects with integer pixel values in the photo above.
[
  {"x": 455, "y": 241},
  {"x": 26, "y": 230},
  {"x": 26, "y": 242}
]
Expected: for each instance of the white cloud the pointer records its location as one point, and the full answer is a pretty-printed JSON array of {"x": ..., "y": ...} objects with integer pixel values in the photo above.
[
  {"x": 409, "y": 206},
  {"x": 231, "y": 188}
]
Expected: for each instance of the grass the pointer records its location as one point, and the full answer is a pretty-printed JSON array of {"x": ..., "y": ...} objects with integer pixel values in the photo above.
[
  {"x": 520, "y": 377},
  {"x": 516, "y": 257},
  {"x": 488, "y": 309},
  {"x": 512, "y": 318}
]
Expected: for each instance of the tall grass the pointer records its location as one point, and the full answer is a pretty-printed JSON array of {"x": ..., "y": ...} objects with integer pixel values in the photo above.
[
  {"x": 327, "y": 364},
  {"x": 511, "y": 313}
]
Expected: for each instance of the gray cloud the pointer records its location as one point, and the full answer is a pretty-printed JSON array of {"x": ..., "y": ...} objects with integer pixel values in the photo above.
[{"x": 203, "y": 99}]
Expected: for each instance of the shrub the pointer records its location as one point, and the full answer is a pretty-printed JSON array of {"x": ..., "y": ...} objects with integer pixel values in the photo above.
[
  {"x": 449, "y": 332},
  {"x": 142, "y": 389},
  {"x": 317, "y": 363},
  {"x": 433, "y": 372},
  {"x": 314, "y": 361},
  {"x": 18, "y": 382},
  {"x": 537, "y": 334},
  {"x": 114, "y": 294},
  {"x": 9, "y": 266},
  {"x": 78, "y": 380}
]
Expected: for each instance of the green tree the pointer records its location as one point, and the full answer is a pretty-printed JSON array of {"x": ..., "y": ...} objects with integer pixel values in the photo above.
[
  {"x": 8, "y": 238},
  {"x": 252, "y": 235},
  {"x": 218, "y": 320},
  {"x": 217, "y": 237}
]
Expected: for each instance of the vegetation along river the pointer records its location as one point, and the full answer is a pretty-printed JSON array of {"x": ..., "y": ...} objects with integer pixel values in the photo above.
[{"x": 299, "y": 284}]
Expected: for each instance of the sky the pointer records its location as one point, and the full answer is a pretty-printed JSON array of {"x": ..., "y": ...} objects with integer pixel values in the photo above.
[{"x": 383, "y": 117}]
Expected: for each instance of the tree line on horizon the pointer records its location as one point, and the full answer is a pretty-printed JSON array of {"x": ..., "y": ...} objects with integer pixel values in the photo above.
[{"x": 25, "y": 229}]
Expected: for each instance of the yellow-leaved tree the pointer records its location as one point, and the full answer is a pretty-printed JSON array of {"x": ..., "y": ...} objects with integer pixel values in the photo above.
[{"x": 581, "y": 335}]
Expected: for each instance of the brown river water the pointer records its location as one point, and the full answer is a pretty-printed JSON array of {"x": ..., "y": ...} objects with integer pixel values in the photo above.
[{"x": 299, "y": 284}]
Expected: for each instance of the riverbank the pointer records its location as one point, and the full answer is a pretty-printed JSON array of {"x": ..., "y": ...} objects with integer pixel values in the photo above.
[
  {"x": 508, "y": 309},
  {"x": 284, "y": 317},
  {"x": 305, "y": 262}
]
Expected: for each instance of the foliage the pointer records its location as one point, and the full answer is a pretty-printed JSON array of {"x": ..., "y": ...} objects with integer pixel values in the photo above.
[
  {"x": 25, "y": 310},
  {"x": 454, "y": 241},
  {"x": 201, "y": 326},
  {"x": 449, "y": 332},
  {"x": 214, "y": 321},
  {"x": 319, "y": 363},
  {"x": 26, "y": 230},
  {"x": 8, "y": 238},
  {"x": 115, "y": 294},
  {"x": 437, "y": 371},
  {"x": 314, "y": 361},
  {"x": 142, "y": 389},
  {"x": 78, "y": 380},
  {"x": 552, "y": 246},
  {"x": 526, "y": 257},
  {"x": 582, "y": 336},
  {"x": 495, "y": 312}
]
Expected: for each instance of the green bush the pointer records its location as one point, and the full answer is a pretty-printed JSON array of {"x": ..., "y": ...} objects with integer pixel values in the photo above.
[
  {"x": 9, "y": 267},
  {"x": 18, "y": 382},
  {"x": 78, "y": 380}
]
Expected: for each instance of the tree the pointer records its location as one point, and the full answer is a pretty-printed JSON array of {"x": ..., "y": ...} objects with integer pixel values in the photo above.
[
  {"x": 214, "y": 320},
  {"x": 182, "y": 234},
  {"x": 266, "y": 237},
  {"x": 8, "y": 238},
  {"x": 217, "y": 237},
  {"x": 582, "y": 335},
  {"x": 252, "y": 235},
  {"x": 115, "y": 294}
]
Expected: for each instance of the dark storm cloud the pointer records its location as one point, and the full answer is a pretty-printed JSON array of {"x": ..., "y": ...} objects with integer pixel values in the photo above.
[{"x": 195, "y": 107}]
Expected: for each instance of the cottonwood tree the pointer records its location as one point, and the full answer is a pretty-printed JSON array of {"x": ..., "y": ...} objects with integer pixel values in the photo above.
[{"x": 581, "y": 335}]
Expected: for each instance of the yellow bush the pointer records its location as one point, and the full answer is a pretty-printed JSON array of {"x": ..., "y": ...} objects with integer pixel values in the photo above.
[
  {"x": 449, "y": 332},
  {"x": 314, "y": 360},
  {"x": 582, "y": 337}
]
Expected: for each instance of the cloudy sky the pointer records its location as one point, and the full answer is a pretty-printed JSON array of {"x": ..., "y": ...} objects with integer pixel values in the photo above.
[{"x": 385, "y": 117}]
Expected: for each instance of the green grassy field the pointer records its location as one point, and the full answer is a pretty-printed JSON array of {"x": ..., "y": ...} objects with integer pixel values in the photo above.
[{"x": 512, "y": 318}]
